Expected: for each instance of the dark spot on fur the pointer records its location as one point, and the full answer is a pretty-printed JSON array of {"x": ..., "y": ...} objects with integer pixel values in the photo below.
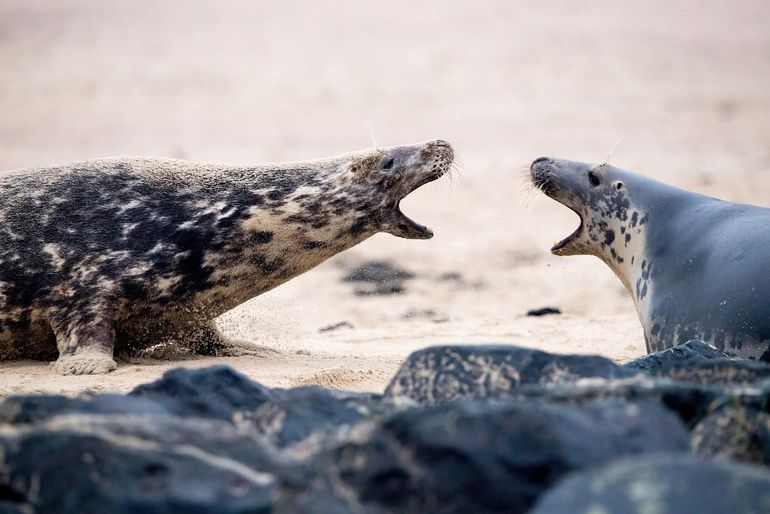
[
  {"x": 358, "y": 227},
  {"x": 261, "y": 237}
]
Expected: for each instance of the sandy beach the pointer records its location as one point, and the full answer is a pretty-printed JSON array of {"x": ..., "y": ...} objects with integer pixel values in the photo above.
[{"x": 679, "y": 91}]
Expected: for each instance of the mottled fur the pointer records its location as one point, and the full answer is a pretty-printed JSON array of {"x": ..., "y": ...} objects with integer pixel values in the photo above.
[{"x": 135, "y": 254}]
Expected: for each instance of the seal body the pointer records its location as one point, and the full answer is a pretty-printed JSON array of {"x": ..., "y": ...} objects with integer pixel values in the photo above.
[
  {"x": 139, "y": 254},
  {"x": 697, "y": 267}
]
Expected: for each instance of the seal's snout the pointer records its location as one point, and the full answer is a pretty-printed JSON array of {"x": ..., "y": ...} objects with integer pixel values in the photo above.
[
  {"x": 442, "y": 155},
  {"x": 442, "y": 146},
  {"x": 541, "y": 174}
]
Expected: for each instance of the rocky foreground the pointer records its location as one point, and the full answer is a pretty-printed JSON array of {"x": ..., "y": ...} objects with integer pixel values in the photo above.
[{"x": 459, "y": 429}]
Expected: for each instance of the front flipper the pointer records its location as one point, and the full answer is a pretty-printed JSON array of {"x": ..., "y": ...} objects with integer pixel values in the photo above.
[{"x": 85, "y": 341}]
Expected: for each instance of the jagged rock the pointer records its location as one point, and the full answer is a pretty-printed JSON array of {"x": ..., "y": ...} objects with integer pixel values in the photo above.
[
  {"x": 217, "y": 392},
  {"x": 298, "y": 413},
  {"x": 690, "y": 401},
  {"x": 485, "y": 457},
  {"x": 672, "y": 484},
  {"x": 719, "y": 371},
  {"x": 93, "y": 464},
  {"x": 734, "y": 432},
  {"x": 284, "y": 417},
  {"x": 31, "y": 409},
  {"x": 441, "y": 374},
  {"x": 696, "y": 361},
  {"x": 691, "y": 351}
]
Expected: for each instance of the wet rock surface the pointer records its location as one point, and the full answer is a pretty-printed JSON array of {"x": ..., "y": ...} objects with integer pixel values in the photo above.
[
  {"x": 443, "y": 374},
  {"x": 664, "y": 485},
  {"x": 691, "y": 351},
  {"x": 459, "y": 429}
]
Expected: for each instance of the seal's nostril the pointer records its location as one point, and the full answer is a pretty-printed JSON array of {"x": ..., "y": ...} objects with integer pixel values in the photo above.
[{"x": 539, "y": 160}]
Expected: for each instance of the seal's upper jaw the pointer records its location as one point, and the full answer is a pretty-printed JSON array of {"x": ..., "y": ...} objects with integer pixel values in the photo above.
[
  {"x": 558, "y": 183},
  {"x": 406, "y": 169}
]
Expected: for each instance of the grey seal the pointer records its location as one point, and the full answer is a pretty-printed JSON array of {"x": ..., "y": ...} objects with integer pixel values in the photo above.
[
  {"x": 130, "y": 255},
  {"x": 696, "y": 267}
]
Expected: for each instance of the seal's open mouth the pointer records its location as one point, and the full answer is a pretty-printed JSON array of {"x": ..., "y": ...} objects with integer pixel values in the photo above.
[
  {"x": 542, "y": 177},
  {"x": 560, "y": 245},
  {"x": 408, "y": 228},
  {"x": 399, "y": 223},
  {"x": 402, "y": 225}
]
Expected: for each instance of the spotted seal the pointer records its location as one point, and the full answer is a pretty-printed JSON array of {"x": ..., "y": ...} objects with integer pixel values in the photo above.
[
  {"x": 131, "y": 254},
  {"x": 696, "y": 267}
]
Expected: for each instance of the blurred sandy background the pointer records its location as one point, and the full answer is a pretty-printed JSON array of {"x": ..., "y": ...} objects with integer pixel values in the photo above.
[{"x": 685, "y": 86}]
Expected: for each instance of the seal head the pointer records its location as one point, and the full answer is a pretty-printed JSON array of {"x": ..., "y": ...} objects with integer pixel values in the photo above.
[{"x": 390, "y": 175}]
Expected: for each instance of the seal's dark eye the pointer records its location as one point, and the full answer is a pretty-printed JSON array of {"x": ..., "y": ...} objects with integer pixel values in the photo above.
[
  {"x": 593, "y": 179},
  {"x": 388, "y": 164},
  {"x": 619, "y": 186}
]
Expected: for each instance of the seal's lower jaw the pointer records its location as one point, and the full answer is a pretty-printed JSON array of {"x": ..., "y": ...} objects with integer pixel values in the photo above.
[
  {"x": 566, "y": 246},
  {"x": 401, "y": 225}
]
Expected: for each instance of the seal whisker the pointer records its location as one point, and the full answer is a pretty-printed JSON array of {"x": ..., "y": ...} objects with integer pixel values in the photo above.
[
  {"x": 532, "y": 197},
  {"x": 612, "y": 150},
  {"x": 371, "y": 135}
]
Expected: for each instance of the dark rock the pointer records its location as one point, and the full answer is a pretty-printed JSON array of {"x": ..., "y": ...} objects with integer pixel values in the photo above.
[
  {"x": 451, "y": 276},
  {"x": 160, "y": 464},
  {"x": 380, "y": 277},
  {"x": 441, "y": 374},
  {"x": 426, "y": 314},
  {"x": 217, "y": 392},
  {"x": 377, "y": 272},
  {"x": 734, "y": 432},
  {"x": 544, "y": 311},
  {"x": 485, "y": 457},
  {"x": 336, "y": 326},
  {"x": 692, "y": 402},
  {"x": 457, "y": 280},
  {"x": 298, "y": 413},
  {"x": 31, "y": 409},
  {"x": 674, "y": 484},
  {"x": 384, "y": 289},
  {"x": 284, "y": 417},
  {"x": 696, "y": 361},
  {"x": 691, "y": 351},
  {"x": 719, "y": 371}
]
